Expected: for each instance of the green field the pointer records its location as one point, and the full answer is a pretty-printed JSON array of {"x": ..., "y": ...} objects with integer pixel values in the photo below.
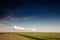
[{"x": 38, "y": 35}]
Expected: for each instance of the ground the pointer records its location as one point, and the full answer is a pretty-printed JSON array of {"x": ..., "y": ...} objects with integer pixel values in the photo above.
[
  {"x": 29, "y": 36},
  {"x": 11, "y": 36}
]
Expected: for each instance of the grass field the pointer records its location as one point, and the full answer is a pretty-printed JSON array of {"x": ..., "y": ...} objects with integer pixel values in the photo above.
[{"x": 35, "y": 35}]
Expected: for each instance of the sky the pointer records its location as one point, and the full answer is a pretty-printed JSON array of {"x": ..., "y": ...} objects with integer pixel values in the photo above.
[{"x": 30, "y": 15}]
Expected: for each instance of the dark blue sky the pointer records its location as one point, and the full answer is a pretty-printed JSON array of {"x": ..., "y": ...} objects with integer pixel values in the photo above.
[
  {"x": 31, "y": 7},
  {"x": 31, "y": 13}
]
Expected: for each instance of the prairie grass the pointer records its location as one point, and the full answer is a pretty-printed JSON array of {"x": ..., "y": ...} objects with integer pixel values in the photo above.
[{"x": 40, "y": 35}]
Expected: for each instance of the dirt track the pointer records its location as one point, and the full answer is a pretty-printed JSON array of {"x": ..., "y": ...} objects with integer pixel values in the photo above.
[{"x": 11, "y": 36}]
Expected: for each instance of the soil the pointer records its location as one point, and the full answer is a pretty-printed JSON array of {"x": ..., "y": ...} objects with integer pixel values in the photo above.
[{"x": 11, "y": 36}]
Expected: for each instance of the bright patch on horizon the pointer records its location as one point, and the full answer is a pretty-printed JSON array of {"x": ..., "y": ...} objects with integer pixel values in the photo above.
[
  {"x": 21, "y": 28},
  {"x": 25, "y": 29}
]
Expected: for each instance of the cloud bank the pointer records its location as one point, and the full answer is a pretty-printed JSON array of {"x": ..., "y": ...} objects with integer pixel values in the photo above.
[{"x": 24, "y": 29}]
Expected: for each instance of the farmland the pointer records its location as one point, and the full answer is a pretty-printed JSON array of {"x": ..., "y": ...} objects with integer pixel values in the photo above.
[{"x": 32, "y": 35}]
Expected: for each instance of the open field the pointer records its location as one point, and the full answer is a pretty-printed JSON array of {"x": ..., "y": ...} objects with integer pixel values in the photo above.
[
  {"x": 11, "y": 36},
  {"x": 29, "y": 36}
]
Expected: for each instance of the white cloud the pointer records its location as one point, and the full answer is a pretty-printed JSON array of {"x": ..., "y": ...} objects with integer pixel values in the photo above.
[
  {"x": 27, "y": 18},
  {"x": 25, "y": 29},
  {"x": 32, "y": 29},
  {"x": 18, "y": 28},
  {"x": 10, "y": 18},
  {"x": 6, "y": 28}
]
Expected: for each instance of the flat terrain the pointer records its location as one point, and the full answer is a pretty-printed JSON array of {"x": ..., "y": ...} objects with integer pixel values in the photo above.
[
  {"x": 29, "y": 36},
  {"x": 11, "y": 36},
  {"x": 40, "y": 35}
]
